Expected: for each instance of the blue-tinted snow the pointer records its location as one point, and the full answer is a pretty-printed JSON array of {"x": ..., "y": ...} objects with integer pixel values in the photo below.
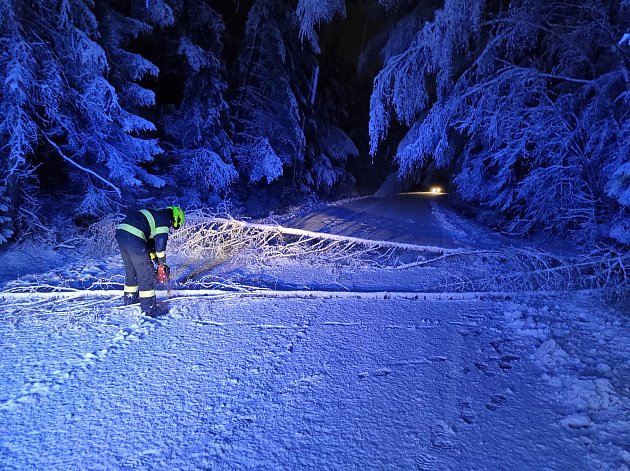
[{"x": 534, "y": 382}]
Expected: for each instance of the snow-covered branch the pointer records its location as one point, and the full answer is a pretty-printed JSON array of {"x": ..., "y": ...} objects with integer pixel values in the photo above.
[
  {"x": 82, "y": 168},
  {"x": 309, "y": 235}
]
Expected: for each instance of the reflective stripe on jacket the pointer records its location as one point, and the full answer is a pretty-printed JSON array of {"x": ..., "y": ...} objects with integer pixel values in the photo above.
[{"x": 150, "y": 226}]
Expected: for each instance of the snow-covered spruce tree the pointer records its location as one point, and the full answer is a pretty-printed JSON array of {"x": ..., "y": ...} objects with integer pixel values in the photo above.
[
  {"x": 63, "y": 97},
  {"x": 326, "y": 106},
  {"x": 102, "y": 128},
  {"x": 6, "y": 231},
  {"x": 328, "y": 146},
  {"x": 527, "y": 103},
  {"x": 618, "y": 168},
  {"x": 267, "y": 122},
  {"x": 313, "y": 12},
  {"x": 195, "y": 128},
  {"x": 25, "y": 91},
  {"x": 283, "y": 132},
  {"x": 127, "y": 145},
  {"x": 329, "y": 151}
]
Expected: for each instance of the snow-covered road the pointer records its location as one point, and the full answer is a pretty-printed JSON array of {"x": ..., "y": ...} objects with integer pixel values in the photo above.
[
  {"x": 414, "y": 218},
  {"x": 301, "y": 384},
  {"x": 355, "y": 381}
]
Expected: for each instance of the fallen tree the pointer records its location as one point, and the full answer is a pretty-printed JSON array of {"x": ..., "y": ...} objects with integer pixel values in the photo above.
[{"x": 208, "y": 241}]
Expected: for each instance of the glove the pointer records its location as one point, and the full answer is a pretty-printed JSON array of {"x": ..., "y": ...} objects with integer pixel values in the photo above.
[{"x": 162, "y": 273}]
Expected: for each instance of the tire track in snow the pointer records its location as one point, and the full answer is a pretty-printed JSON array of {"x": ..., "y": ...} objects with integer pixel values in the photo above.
[{"x": 449, "y": 225}]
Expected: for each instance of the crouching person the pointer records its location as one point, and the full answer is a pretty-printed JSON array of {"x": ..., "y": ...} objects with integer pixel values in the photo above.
[{"x": 142, "y": 238}]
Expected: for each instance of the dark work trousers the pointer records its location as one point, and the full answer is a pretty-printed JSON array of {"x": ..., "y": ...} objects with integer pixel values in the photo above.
[{"x": 139, "y": 270}]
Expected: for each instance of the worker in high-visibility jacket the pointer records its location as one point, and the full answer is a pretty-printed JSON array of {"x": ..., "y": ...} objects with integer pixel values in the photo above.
[{"x": 142, "y": 238}]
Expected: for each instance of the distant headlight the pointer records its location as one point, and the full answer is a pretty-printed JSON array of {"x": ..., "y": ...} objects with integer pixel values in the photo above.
[{"x": 436, "y": 189}]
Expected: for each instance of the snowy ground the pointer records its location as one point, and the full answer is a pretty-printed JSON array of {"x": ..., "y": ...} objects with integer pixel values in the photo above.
[{"x": 319, "y": 380}]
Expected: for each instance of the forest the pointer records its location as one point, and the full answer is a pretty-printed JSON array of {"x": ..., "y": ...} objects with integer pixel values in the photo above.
[{"x": 521, "y": 108}]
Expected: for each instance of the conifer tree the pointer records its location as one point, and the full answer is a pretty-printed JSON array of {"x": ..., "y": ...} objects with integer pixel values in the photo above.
[
  {"x": 196, "y": 127},
  {"x": 283, "y": 131},
  {"x": 267, "y": 120},
  {"x": 19, "y": 101},
  {"x": 527, "y": 104},
  {"x": 72, "y": 92}
]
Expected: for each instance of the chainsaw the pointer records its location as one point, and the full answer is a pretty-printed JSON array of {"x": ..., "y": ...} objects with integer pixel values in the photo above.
[{"x": 162, "y": 273}]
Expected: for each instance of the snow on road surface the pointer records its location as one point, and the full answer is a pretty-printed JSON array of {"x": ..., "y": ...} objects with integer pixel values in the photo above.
[
  {"x": 406, "y": 218},
  {"x": 298, "y": 382}
]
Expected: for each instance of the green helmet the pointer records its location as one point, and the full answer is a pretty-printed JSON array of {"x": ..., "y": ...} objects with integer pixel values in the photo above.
[{"x": 178, "y": 216}]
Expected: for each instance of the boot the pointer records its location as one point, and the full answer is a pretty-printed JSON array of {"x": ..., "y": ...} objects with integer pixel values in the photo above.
[
  {"x": 131, "y": 298},
  {"x": 151, "y": 308},
  {"x": 156, "y": 310}
]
